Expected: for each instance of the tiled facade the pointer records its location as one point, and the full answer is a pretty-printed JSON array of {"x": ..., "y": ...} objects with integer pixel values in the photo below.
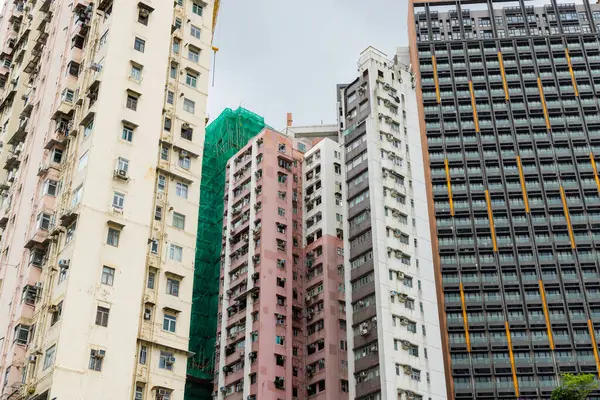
[
  {"x": 394, "y": 334},
  {"x": 275, "y": 317},
  {"x": 508, "y": 106},
  {"x": 102, "y": 114}
]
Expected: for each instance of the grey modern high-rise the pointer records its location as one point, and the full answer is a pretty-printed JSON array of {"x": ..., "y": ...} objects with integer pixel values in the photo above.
[{"x": 508, "y": 101}]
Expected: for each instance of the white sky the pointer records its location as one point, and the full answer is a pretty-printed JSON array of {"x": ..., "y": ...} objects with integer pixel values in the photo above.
[{"x": 279, "y": 56}]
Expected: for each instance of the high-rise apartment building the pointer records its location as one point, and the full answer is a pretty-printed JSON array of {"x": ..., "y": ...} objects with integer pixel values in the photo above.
[
  {"x": 102, "y": 115},
  {"x": 392, "y": 314},
  {"x": 508, "y": 104},
  {"x": 225, "y": 136},
  {"x": 282, "y": 321}
]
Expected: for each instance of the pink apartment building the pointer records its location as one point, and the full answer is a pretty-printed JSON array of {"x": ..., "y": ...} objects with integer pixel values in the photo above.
[{"x": 275, "y": 337}]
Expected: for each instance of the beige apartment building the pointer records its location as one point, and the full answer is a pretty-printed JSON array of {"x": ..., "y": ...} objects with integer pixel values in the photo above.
[{"x": 102, "y": 129}]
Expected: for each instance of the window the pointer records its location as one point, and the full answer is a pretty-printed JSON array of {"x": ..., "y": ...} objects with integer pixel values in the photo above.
[
  {"x": 162, "y": 183},
  {"x": 113, "y": 236},
  {"x": 108, "y": 276},
  {"x": 49, "y": 357},
  {"x": 127, "y": 133},
  {"x": 43, "y": 221},
  {"x": 164, "y": 153},
  {"x": 68, "y": 95},
  {"x": 197, "y": 9},
  {"x": 169, "y": 323},
  {"x": 176, "y": 45},
  {"x": 281, "y": 212},
  {"x": 173, "y": 287},
  {"x": 122, "y": 164},
  {"x": 189, "y": 106},
  {"x": 170, "y": 97},
  {"x": 139, "y": 393},
  {"x": 96, "y": 358},
  {"x": 175, "y": 252},
  {"x": 50, "y": 187},
  {"x": 173, "y": 71},
  {"x": 167, "y": 125},
  {"x": 143, "y": 354},
  {"x": 56, "y": 314},
  {"x": 76, "y": 196},
  {"x": 195, "y": 31},
  {"x": 191, "y": 80},
  {"x": 181, "y": 190},
  {"x": 166, "y": 361},
  {"x": 132, "y": 102},
  {"x": 178, "y": 220},
  {"x": 87, "y": 131},
  {"x": 21, "y": 335},
  {"x": 143, "y": 15},
  {"x": 103, "y": 40},
  {"x": 70, "y": 232},
  {"x": 136, "y": 73},
  {"x": 102, "y": 316},
  {"x": 178, "y": 23},
  {"x": 158, "y": 213},
  {"x": 118, "y": 200},
  {"x": 193, "y": 54},
  {"x": 151, "y": 279},
  {"x": 139, "y": 45},
  {"x": 83, "y": 160},
  {"x": 57, "y": 156},
  {"x": 185, "y": 162},
  {"x": 187, "y": 132}
]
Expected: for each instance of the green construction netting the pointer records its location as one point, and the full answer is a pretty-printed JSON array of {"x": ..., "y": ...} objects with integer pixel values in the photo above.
[{"x": 225, "y": 136}]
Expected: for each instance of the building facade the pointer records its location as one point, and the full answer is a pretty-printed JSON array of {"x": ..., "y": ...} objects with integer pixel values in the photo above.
[
  {"x": 508, "y": 107},
  {"x": 102, "y": 113},
  {"x": 225, "y": 136},
  {"x": 392, "y": 314},
  {"x": 281, "y": 305}
]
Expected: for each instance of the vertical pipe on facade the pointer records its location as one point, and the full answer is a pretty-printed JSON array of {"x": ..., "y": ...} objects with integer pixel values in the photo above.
[
  {"x": 435, "y": 78},
  {"x": 448, "y": 183},
  {"x": 512, "y": 360},
  {"x": 595, "y": 168},
  {"x": 573, "y": 80},
  {"x": 546, "y": 315},
  {"x": 523, "y": 188},
  {"x": 541, "y": 89},
  {"x": 465, "y": 320},
  {"x": 491, "y": 218},
  {"x": 504, "y": 83},
  {"x": 594, "y": 345},
  {"x": 568, "y": 218},
  {"x": 474, "y": 105}
]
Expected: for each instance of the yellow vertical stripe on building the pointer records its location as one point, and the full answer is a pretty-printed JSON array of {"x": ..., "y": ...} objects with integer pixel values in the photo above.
[
  {"x": 541, "y": 89},
  {"x": 491, "y": 218},
  {"x": 523, "y": 188},
  {"x": 595, "y": 168},
  {"x": 435, "y": 78},
  {"x": 449, "y": 187},
  {"x": 504, "y": 83},
  {"x": 594, "y": 345},
  {"x": 573, "y": 80},
  {"x": 465, "y": 320},
  {"x": 548, "y": 326},
  {"x": 512, "y": 360},
  {"x": 474, "y": 105},
  {"x": 568, "y": 218}
]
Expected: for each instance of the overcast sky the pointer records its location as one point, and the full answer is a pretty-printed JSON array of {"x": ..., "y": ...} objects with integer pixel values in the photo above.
[{"x": 279, "y": 56}]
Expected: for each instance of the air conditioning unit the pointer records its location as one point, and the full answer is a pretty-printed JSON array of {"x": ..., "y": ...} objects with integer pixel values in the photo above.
[
  {"x": 374, "y": 347},
  {"x": 52, "y": 308},
  {"x": 242, "y": 353},
  {"x": 171, "y": 360},
  {"x": 32, "y": 358},
  {"x": 101, "y": 353},
  {"x": 64, "y": 263},
  {"x": 121, "y": 173},
  {"x": 144, "y": 13},
  {"x": 95, "y": 67},
  {"x": 164, "y": 392},
  {"x": 183, "y": 153},
  {"x": 147, "y": 315},
  {"x": 38, "y": 285},
  {"x": 223, "y": 389}
]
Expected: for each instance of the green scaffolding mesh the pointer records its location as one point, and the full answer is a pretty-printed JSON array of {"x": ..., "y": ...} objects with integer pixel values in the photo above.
[{"x": 225, "y": 136}]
